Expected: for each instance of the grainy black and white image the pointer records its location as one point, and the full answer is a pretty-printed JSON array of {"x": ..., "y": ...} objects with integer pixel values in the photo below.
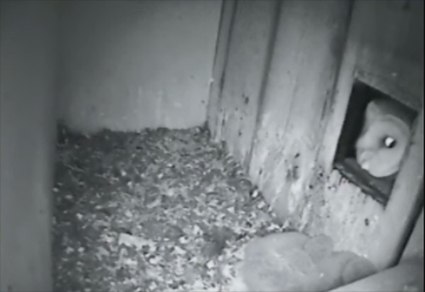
[
  {"x": 211, "y": 145},
  {"x": 159, "y": 210}
]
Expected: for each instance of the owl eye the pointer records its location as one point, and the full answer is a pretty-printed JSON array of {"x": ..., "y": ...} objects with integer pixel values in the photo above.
[{"x": 389, "y": 142}]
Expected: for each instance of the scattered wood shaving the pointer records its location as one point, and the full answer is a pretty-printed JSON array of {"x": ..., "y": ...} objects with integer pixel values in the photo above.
[{"x": 158, "y": 210}]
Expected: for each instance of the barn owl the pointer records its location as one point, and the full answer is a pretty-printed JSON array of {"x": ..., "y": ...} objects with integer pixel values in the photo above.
[{"x": 384, "y": 137}]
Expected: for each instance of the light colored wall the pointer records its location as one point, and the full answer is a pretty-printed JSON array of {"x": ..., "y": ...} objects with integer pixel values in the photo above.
[
  {"x": 340, "y": 208},
  {"x": 234, "y": 104},
  {"x": 415, "y": 245},
  {"x": 27, "y": 127},
  {"x": 299, "y": 91},
  {"x": 319, "y": 47},
  {"x": 127, "y": 65},
  {"x": 408, "y": 276}
]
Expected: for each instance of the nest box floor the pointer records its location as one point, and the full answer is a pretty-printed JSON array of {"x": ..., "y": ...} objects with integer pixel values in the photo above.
[{"x": 158, "y": 210}]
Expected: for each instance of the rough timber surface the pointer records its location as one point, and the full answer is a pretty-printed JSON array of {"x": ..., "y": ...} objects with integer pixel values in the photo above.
[
  {"x": 159, "y": 210},
  {"x": 297, "y": 102},
  {"x": 355, "y": 220}
]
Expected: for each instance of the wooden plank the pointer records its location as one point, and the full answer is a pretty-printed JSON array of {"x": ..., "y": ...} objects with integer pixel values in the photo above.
[
  {"x": 354, "y": 220},
  {"x": 220, "y": 60},
  {"x": 244, "y": 74},
  {"x": 415, "y": 245},
  {"x": 392, "y": 54},
  {"x": 408, "y": 276},
  {"x": 28, "y": 54},
  {"x": 298, "y": 98}
]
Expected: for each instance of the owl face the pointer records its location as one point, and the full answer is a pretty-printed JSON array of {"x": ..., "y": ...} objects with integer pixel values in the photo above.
[{"x": 381, "y": 146}]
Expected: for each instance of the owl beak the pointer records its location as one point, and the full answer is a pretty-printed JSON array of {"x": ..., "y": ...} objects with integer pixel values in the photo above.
[{"x": 364, "y": 160}]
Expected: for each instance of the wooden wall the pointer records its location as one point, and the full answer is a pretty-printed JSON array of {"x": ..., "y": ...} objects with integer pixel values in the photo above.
[
  {"x": 28, "y": 50},
  {"x": 238, "y": 85},
  {"x": 415, "y": 245},
  {"x": 385, "y": 49},
  {"x": 287, "y": 134},
  {"x": 130, "y": 65}
]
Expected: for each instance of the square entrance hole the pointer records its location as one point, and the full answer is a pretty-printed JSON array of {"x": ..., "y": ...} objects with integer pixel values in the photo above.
[{"x": 345, "y": 157}]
